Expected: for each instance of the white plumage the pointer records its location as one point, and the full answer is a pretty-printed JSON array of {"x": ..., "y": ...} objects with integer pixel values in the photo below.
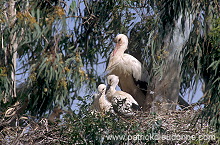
[
  {"x": 122, "y": 102},
  {"x": 105, "y": 105},
  {"x": 95, "y": 105},
  {"x": 132, "y": 74},
  {"x": 100, "y": 102}
]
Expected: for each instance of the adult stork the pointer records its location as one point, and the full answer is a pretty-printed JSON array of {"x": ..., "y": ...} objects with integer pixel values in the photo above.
[
  {"x": 132, "y": 74},
  {"x": 122, "y": 102}
]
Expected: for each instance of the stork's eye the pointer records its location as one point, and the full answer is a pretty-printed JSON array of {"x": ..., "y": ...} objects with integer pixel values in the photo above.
[{"x": 119, "y": 40}]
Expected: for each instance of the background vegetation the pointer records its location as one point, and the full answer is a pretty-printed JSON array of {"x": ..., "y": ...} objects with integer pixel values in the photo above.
[{"x": 58, "y": 45}]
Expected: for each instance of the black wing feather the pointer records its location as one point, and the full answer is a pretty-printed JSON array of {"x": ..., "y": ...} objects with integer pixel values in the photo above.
[{"x": 142, "y": 85}]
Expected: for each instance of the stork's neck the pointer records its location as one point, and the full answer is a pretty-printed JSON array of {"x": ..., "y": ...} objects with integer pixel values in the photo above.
[
  {"x": 119, "y": 50},
  {"x": 113, "y": 89},
  {"x": 110, "y": 92}
]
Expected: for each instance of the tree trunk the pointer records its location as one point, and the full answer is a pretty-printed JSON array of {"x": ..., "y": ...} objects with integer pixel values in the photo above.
[
  {"x": 166, "y": 87},
  {"x": 12, "y": 44}
]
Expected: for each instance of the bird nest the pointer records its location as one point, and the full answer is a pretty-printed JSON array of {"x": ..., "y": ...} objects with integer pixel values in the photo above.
[{"x": 175, "y": 127}]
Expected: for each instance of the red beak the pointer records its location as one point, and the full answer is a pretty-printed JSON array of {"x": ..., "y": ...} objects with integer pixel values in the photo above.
[{"x": 115, "y": 50}]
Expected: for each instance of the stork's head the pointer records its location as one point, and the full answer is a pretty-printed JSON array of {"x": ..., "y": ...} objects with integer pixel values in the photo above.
[
  {"x": 112, "y": 80},
  {"x": 121, "y": 41},
  {"x": 101, "y": 88}
]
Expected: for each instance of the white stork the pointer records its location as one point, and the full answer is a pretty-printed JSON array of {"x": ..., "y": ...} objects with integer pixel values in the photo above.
[
  {"x": 95, "y": 105},
  {"x": 100, "y": 102},
  {"x": 132, "y": 74},
  {"x": 105, "y": 105},
  {"x": 122, "y": 102}
]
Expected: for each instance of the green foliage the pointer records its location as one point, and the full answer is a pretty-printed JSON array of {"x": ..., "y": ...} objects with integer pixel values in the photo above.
[
  {"x": 51, "y": 79},
  {"x": 97, "y": 128},
  {"x": 197, "y": 50},
  {"x": 4, "y": 83},
  {"x": 47, "y": 54},
  {"x": 211, "y": 61}
]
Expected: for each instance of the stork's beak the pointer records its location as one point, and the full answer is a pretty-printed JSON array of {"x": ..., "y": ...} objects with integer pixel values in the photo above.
[
  {"x": 107, "y": 88},
  {"x": 115, "y": 50}
]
